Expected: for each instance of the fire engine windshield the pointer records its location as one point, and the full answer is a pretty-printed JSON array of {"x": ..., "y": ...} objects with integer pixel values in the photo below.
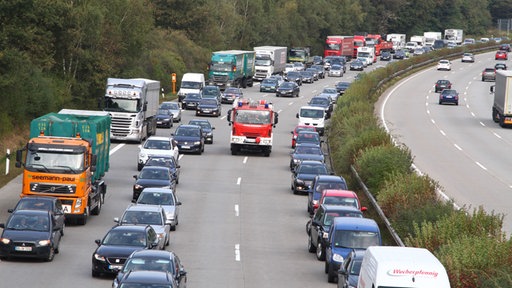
[
  {"x": 65, "y": 162},
  {"x": 121, "y": 105},
  {"x": 252, "y": 117}
]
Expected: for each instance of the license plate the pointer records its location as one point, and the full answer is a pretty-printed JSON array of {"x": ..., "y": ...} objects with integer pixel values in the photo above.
[
  {"x": 185, "y": 147},
  {"x": 112, "y": 267},
  {"x": 66, "y": 208},
  {"x": 22, "y": 248},
  {"x": 159, "y": 122},
  {"x": 250, "y": 140}
]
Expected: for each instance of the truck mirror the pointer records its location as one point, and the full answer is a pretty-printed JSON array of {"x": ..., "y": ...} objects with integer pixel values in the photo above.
[
  {"x": 229, "y": 115},
  {"x": 276, "y": 119},
  {"x": 492, "y": 88},
  {"x": 297, "y": 115},
  {"x": 19, "y": 157}
]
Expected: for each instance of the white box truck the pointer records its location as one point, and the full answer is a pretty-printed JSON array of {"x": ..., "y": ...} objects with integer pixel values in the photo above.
[
  {"x": 398, "y": 40},
  {"x": 502, "y": 105},
  {"x": 367, "y": 54},
  {"x": 454, "y": 36},
  {"x": 395, "y": 266},
  {"x": 132, "y": 104},
  {"x": 419, "y": 39},
  {"x": 431, "y": 37},
  {"x": 270, "y": 60},
  {"x": 190, "y": 83}
]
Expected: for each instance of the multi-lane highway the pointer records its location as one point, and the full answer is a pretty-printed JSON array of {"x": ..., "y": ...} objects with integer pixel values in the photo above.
[
  {"x": 240, "y": 225},
  {"x": 458, "y": 146}
]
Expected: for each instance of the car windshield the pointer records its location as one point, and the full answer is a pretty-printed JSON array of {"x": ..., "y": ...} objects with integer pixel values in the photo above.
[
  {"x": 309, "y": 169},
  {"x": 193, "y": 97},
  {"x": 204, "y": 124},
  {"x": 170, "y": 106},
  {"x": 355, "y": 267},
  {"x": 319, "y": 101},
  {"x": 188, "y": 132},
  {"x": 160, "y": 161},
  {"x": 156, "y": 198},
  {"x": 157, "y": 144},
  {"x": 164, "y": 112},
  {"x": 232, "y": 91},
  {"x": 329, "y": 91},
  {"x": 142, "y": 217},
  {"x": 269, "y": 81},
  {"x": 340, "y": 200},
  {"x": 308, "y": 150},
  {"x": 125, "y": 238},
  {"x": 155, "y": 174},
  {"x": 449, "y": 92},
  {"x": 211, "y": 101},
  {"x": 151, "y": 264},
  {"x": 28, "y": 222},
  {"x": 312, "y": 113},
  {"x": 355, "y": 239},
  {"x": 329, "y": 217},
  {"x": 287, "y": 85},
  {"x": 308, "y": 137}
]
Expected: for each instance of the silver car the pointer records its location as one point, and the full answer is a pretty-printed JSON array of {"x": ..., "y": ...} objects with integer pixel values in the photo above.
[
  {"x": 152, "y": 215},
  {"x": 164, "y": 197},
  {"x": 175, "y": 109}
]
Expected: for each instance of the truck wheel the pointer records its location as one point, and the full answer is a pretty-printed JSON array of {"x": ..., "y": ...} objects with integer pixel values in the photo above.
[
  {"x": 495, "y": 116},
  {"x": 250, "y": 83},
  {"x": 83, "y": 219},
  {"x": 97, "y": 209},
  {"x": 244, "y": 83}
]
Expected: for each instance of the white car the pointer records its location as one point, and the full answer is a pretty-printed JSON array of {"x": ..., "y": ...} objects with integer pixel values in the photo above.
[
  {"x": 444, "y": 65},
  {"x": 335, "y": 71},
  {"x": 156, "y": 145},
  {"x": 468, "y": 57},
  {"x": 289, "y": 67}
]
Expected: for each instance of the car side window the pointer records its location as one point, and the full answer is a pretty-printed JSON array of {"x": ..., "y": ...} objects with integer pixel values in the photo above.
[
  {"x": 151, "y": 236},
  {"x": 319, "y": 215}
]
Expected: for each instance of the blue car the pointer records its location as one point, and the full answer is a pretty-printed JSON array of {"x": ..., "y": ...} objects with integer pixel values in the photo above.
[
  {"x": 269, "y": 85},
  {"x": 164, "y": 118},
  {"x": 190, "y": 138},
  {"x": 305, "y": 151},
  {"x": 345, "y": 235},
  {"x": 348, "y": 275}
]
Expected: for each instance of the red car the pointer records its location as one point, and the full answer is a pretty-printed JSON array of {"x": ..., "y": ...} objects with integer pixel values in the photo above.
[
  {"x": 298, "y": 128},
  {"x": 339, "y": 197},
  {"x": 501, "y": 55}
]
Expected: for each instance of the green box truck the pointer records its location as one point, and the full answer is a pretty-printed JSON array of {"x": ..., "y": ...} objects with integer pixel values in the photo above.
[
  {"x": 231, "y": 68},
  {"x": 66, "y": 157}
]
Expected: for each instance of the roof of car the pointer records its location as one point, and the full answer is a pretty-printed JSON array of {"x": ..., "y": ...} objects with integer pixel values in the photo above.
[
  {"x": 334, "y": 178},
  {"x": 355, "y": 223},
  {"x": 30, "y": 212},
  {"x": 158, "y": 138},
  {"x": 336, "y": 192},
  {"x": 130, "y": 227},
  {"x": 345, "y": 208},
  {"x": 148, "y": 277},
  {"x": 157, "y": 189},
  {"x": 149, "y": 208}
]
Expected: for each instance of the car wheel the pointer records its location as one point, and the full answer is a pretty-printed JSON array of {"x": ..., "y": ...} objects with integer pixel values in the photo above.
[
  {"x": 457, "y": 103},
  {"x": 139, "y": 166},
  {"x": 51, "y": 255},
  {"x": 331, "y": 275},
  {"x": 440, "y": 102},
  {"x": 326, "y": 267},
  {"x": 173, "y": 228},
  {"x": 320, "y": 255},
  {"x": 311, "y": 247},
  {"x": 95, "y": 273}
]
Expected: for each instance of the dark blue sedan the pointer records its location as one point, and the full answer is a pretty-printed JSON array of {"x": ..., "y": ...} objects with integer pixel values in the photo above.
[
  {"x": 305, "y": 151},
  {"x": 190, "y": 139}
]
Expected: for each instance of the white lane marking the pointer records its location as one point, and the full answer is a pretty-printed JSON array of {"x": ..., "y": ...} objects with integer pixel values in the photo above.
[
  {"x": 497, "y": 135},
  {"x": 481, "y": 166},
  {"x": 180, "y": 156},
  {"x": 239, "y": 180},
  {"x": 442, "y": 132},
  {"x": 290, "y": 104},
  {"x": 237, "y": 212},
  {"x": 433, "y": 121},
  {"x": 482, "y": 123},
  {"x": 223, "y": 117},
  {"x": 279, "y": 111},
  {"x": 116, "y": 148},
  {"x": 458, "y": 147},
  {"x": 237, "y": 252},
  {"x": 245, "y": 159}
]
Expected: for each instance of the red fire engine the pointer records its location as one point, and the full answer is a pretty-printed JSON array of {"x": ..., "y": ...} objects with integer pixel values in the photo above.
[{"x": 252, "y": 124}]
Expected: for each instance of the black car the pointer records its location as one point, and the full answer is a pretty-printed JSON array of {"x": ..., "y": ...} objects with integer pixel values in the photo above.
[
  {"x": 118, "y": 244},
  {"x": 269, "y": 85},
  {"x": 209, "y": 107},
  {"x": 319, "y": 225},
  {"x": 315, "y": 73},
  {"x": 148, "y": 279},
  {"x": 385, "y": 56},
  {"x": 30, "y": 234},
  {"x": 442, "y": 84},
  {"x": 399, "y": 54},
  {"x": 294, "y": 76},
  {"x": 166, "y": 161},
  {"x": 154, "y": 260},
  {"x": 320, "y": 69},
  {"x": 164, "y": 118},
  {"x": 303, "y": 174},
  {"x": 152, "y": 176},
  {"x": 500, "y": 66},
  {"x": 207, "y": 129},
  {"x": 289, "y": 89},
  {"x": 357, "y": 65},
  {"x": 325, "y": 102},
  {"x": 348, "y": 275},
  {"x": 307, "y": 76},
  {"x": 305, "y": 151},
  {"x": 191, "y": 101},
  {"x": 45, "y": 203},
  {"x": 230, "y": 94},
  {"x": 341, "y": 87},
  {"x": 449, "y": 96},
  {"x": 211, "y": 91},
  {"x": 190, "y": 139},
  {"x": 319, "y": 184},
  {"x": 505, "y": 47}
]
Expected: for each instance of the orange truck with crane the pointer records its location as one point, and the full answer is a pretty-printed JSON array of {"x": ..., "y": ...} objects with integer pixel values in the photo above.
[
  {"x": 252, "y": 126},
  {"x": 66, "y": 157}
]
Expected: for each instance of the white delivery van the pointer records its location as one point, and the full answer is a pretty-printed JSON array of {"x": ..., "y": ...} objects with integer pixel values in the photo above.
[
  {"x": 312, "y": 116},
  {"x": 190, "y": 83},
  {"x": 394, "y": 266}
]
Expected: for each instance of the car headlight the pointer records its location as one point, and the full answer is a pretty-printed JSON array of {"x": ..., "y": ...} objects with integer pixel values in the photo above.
[
  {"x": 296, "y": 161},
  {"x": 137, "y": 187},
  {"x": 337, "y": 258},
  {"x": 325, "y": 235},
  {"x": 44, "y": 242},
  {"x": 169, "y": 216},
  {"x": 197, "y": 142},
  {"x": 5, "y": 241},
  {"x": 161, "y": 235},
  {"x": 99, "y": 257}
]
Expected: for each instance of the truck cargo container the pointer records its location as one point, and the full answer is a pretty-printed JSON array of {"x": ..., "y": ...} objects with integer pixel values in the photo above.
[
  {"x": 502, "y": 105},
  {"x": 270, "y": 60},
  {"x": 231, "y": 68},
  {"x": 339, "y": 46}
]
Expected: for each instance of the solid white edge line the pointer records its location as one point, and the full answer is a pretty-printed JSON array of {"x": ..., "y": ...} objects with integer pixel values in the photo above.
[
  {"x": 237, "y": 252},
  {"x": 239, "y": 180},
  {"x": 237, "y": 212}
]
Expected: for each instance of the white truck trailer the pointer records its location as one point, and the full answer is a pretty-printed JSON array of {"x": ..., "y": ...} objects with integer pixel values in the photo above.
[
  {"x": 132, "y": 105},
  {"x": 270, "y": 60},
  {"x": 398, "y": 40},
  {"x": 431, "y": 37},
  {"x": 502, "y": 105}
]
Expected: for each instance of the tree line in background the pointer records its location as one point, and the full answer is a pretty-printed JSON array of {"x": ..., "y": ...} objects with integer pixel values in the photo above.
[{"x": 56, "y": 54}]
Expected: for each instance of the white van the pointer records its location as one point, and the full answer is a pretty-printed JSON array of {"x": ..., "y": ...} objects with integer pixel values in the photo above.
[
  {"x": 312, "y": 116},
  {"x": 394, "y": 266},
  {"x": 191, "y": 83}
]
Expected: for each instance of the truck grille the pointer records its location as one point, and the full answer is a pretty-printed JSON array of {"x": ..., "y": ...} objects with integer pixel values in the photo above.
[
  {"x": 52, "y": 188},
  {"x": 220, "y": 78},
  {"x": 120, "y": 126}
]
